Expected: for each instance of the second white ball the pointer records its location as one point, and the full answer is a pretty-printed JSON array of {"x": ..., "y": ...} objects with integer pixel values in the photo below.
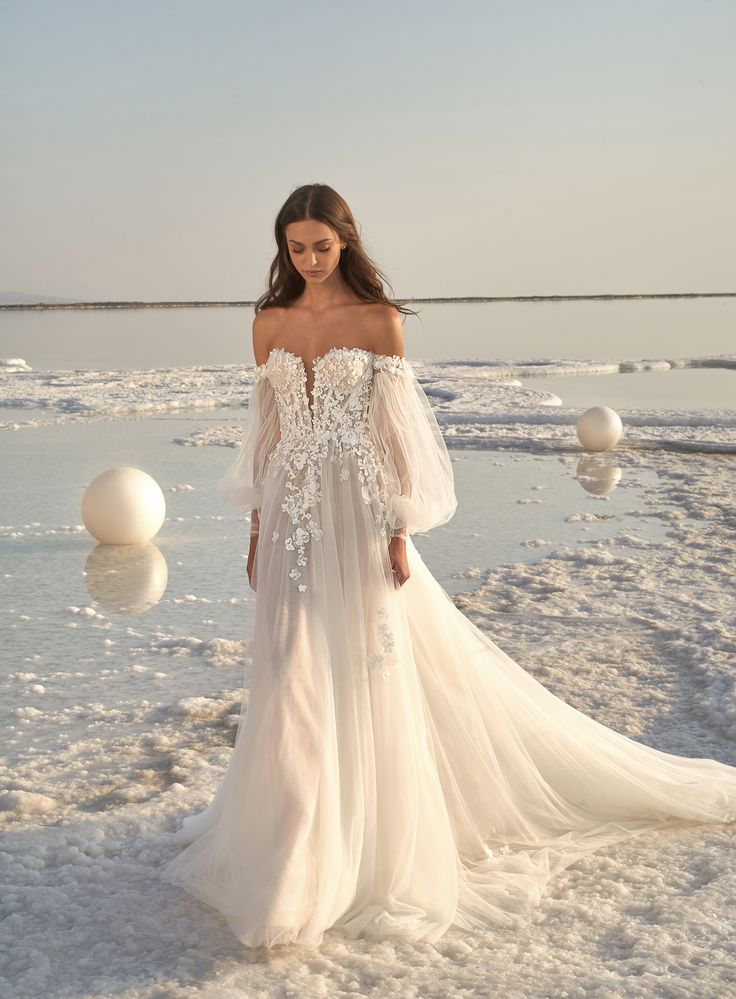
[{"x": 599, "y": 428}]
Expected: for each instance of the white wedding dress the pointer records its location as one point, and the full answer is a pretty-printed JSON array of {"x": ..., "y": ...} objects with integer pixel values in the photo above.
[{"x": 395, "y": 772}]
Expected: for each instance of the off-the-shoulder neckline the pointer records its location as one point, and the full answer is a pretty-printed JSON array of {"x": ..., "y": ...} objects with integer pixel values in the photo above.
[{"x": 321, "y": 357}]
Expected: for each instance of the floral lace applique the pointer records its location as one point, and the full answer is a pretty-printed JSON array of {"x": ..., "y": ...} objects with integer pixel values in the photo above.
[
  {"x": 504, "y": 851},
  {"x": 336, "y": 429},
  {"x": 385, "y": 656},
  {"x": 393, "y": 363}
]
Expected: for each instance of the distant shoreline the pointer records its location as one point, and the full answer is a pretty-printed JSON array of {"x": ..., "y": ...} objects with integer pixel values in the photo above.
[{"x": 8, "y": 306}]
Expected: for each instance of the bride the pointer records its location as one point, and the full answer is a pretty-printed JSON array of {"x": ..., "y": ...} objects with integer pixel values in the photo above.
[{"x": 395, "y": 773}]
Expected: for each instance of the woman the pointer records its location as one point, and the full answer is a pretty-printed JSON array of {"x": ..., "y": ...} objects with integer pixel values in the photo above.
[{"x": 396, "y": 772}]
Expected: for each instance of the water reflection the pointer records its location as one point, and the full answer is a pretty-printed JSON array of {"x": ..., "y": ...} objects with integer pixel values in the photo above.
[
  {"x": 128, "y": 579},
  {"x": 596, "y": 477}
]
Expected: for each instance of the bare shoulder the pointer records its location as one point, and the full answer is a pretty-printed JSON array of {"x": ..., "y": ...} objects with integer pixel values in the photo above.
[
  {"x": 387, "y": 332},
  {"x": 265, "y": 325}
]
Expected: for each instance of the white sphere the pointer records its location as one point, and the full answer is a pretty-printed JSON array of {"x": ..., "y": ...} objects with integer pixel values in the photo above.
[
  {"x": 123, "y": 506},
  {"x": 599, "y": 428}
]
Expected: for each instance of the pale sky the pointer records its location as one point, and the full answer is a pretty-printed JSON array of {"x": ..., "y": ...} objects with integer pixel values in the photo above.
[{"x": 486, "y": 148}]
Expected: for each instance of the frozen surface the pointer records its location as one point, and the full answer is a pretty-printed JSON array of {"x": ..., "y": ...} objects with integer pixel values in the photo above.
[{"x": 620, "y": 599}]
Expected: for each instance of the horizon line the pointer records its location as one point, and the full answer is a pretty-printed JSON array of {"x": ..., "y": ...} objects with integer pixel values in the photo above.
[{"x": 142, "y": 304}]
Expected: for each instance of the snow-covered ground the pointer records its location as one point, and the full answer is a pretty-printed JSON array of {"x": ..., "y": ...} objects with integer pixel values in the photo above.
[{"x": 638, "y": 632}]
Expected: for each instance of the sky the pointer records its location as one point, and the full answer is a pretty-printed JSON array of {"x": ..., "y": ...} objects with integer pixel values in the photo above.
[{"x": 485, "y": 148}]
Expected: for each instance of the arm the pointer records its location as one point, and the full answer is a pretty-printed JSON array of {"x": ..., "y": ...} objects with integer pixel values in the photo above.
[
  {"x": 389, "y": 340},
  {"x": 261, "y": 335},
  {"x": 417, "y": 473},
  {"x": 241, "y": 485}
]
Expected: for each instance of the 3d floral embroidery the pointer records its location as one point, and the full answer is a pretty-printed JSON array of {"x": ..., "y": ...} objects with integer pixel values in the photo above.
[
  {"x": 504, "y": 851},
  {"x": 385, "y": 655},
  {"x": 335, "y": 428}
]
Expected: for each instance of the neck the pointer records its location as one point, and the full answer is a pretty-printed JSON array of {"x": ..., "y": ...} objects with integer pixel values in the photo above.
[{"x": 319, "y": 297}]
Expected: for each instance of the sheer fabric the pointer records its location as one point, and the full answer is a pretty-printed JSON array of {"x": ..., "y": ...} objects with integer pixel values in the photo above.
[
  {"x": 413, "y": 455},
  {"x": 394, "y": 773},
  {"x": 241, "y": 486}
]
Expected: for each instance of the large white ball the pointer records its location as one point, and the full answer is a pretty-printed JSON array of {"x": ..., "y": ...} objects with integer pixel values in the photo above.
[
  {"x": 123, "y": 506},
  {"x": 599, "y": 428}
]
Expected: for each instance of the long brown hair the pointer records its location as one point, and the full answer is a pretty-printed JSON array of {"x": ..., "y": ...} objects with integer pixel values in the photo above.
[{"x": 323, "y": 204}]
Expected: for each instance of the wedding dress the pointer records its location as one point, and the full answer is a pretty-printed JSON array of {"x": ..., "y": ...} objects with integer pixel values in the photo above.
[{"x": 395, "y": 773}]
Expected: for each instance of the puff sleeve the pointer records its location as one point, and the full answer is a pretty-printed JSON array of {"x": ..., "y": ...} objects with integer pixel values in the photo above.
[
  {"x": 415, "y": 461},
  {"x": 241, "y": 485}
]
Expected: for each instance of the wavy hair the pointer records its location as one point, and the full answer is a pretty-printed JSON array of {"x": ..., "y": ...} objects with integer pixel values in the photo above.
[{"x": 323, "y": 204}]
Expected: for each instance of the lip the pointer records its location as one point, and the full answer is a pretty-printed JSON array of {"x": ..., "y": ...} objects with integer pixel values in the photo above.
[{"x": 312, "y": 273}]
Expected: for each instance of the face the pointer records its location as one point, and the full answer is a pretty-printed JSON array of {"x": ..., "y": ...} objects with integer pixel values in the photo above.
[{"x": 314, "y": 249}]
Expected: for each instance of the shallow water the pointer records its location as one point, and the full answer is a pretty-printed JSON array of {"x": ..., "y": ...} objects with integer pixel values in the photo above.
[
  {"x": 113, "y": 634},
  {"x": 699, "y": 389},
  {"x": 495, "y": 330}
]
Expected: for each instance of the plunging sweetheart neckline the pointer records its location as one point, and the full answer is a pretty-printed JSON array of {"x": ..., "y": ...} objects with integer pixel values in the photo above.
[
  {"x": 315, "y": 362},
  {"x": 309, "y": 396}
]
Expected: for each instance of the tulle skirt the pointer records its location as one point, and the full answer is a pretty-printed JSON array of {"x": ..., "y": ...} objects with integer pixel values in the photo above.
[{"x": 395, "y": 773}]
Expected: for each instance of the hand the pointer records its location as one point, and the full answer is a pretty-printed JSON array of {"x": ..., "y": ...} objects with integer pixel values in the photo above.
[
  {"x": 399, "y": 564},
  {"x": 251, "y": 560}
]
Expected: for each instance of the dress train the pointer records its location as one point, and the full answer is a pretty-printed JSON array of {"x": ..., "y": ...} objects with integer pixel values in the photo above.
[{"x": 395, "y": 773}]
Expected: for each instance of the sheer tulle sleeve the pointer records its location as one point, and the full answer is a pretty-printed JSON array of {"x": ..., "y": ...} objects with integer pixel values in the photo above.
[
  {"x": 414, "y": 456},
  {"x": 241, "y": 485}
]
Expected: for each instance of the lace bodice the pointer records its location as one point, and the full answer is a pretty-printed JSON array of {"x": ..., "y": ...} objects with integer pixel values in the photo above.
[
  {"x": 332, "y": 428},
  {"x": 340, "y": 391},
  {"x": 366, "y": 431}
]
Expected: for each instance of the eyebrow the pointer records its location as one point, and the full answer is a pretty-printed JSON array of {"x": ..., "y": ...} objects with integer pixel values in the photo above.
[{"x": 325, "y": 239}]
